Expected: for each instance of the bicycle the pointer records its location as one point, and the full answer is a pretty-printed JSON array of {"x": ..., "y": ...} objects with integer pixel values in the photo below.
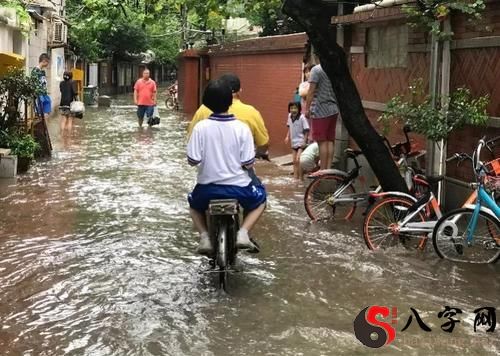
[
  {"x": 472, "y": 233},
  {"x": 398, "y": 217},
  {"x": 171, "y": 101},
  {"x": 332, "y": 194},
  {"x": 223, "y": 226},
  {"x": 401, "y": 218}
]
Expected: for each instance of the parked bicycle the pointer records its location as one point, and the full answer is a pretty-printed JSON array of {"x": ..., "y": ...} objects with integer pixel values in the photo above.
[
  {"x": 332, "y": 194},
  {"x": 472, "y": 233},
  {"x": 402, "y": 219},
  {"x": 171, "y": 101}
]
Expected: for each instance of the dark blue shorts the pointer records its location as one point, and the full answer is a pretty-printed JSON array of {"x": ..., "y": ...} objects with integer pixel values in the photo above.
[
  {"x": 249, "y": 197},
  {"x": 145, "y": 110}
]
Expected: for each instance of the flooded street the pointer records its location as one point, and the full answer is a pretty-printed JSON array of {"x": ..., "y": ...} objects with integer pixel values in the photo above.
[{"x": 97, "y": 257}]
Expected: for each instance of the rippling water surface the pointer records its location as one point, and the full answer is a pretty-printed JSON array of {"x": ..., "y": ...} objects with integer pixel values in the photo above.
[{"x": 97, "y": 258}]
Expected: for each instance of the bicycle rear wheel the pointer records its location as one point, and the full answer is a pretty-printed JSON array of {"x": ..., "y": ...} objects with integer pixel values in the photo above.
[
  {"x": 170, "y": 103},
  {"x": 381, "y": 229},
  {"x": 450, "y": 237},
  {"x": 319, "y": 199},
  {"x": 222, "y": 256}
]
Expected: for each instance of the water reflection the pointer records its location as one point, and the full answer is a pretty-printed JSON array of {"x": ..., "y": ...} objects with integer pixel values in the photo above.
[{"x": 96, "y": 258}]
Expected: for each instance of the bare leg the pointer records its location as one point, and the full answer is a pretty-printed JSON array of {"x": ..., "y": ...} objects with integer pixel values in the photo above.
[
  {"x": 299, "y": 168},
  {"x": 62, "y": 123},
  {"x": 295, "y": 168},
  {"x": 253, "y": 217},
  {"x": 69, "y": 123},
  {"x": 199, "y": 220},
  {"x": 323, "y": 155},
  {"x": 331, "y": 148}
]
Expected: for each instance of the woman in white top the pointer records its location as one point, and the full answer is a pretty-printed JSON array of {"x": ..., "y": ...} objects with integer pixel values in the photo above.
[{"x": 303, "y": 91}]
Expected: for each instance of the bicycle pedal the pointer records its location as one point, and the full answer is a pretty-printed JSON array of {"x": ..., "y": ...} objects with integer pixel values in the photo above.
[{"x": 256, "y": 249}]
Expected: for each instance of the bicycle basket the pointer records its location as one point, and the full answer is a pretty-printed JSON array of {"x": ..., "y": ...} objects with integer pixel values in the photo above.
[
  {"x": 492, "y": 184},
  {"x": 493, "y": 167}
]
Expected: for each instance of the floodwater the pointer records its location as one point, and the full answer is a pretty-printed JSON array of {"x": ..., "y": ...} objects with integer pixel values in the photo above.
[{"x": 97, "y": 258}]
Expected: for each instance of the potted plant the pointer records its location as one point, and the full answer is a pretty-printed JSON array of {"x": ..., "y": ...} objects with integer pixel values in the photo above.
[{"x": 23, "y": 146}]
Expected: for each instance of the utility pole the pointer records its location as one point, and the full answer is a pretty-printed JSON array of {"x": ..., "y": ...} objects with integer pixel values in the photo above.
[
  {"x": 439, "y": 86},
  {"x": 341, "y": 134}
]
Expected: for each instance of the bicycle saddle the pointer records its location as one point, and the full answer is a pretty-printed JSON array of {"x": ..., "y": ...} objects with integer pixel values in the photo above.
[
  {"x": 431, "y": 179},
  {"x": 353, "y": 153},
  {"x": 326, "y": 172}
]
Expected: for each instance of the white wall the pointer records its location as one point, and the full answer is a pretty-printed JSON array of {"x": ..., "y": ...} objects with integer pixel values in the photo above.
[
  {"x": 6, "y": 38},
  {"x": 57, "y": 68},
  {"x": 38, "y": 43},
  {"x": 12, "y": 40}
]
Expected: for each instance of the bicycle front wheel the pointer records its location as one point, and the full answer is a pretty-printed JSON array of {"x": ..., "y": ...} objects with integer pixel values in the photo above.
[
  {"x": 450, "y": 237},
  {"x": 381, "y": 225},
  {"x": 320, "y": 198}
]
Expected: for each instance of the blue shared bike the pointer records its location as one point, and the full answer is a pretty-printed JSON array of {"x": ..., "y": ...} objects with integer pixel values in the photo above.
[{"x": 472, "y": 233}]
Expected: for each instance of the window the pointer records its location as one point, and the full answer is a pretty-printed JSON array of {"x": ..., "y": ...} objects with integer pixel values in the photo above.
[
  {"x": 387, "y": 47},
  {"x": 104, "y": 73}
]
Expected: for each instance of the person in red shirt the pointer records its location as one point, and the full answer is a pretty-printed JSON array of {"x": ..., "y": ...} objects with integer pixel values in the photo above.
[{"x": 145, "y": 96}]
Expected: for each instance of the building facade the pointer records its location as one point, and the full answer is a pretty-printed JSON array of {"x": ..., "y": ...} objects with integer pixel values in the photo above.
[{"x": 49, "y": 34}]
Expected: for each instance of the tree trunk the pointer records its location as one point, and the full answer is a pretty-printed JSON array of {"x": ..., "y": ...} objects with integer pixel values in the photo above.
[{"x": 315, "y": 17}]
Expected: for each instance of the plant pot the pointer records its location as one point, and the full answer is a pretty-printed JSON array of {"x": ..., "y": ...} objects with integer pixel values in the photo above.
[{"x": 23, "y": 164}]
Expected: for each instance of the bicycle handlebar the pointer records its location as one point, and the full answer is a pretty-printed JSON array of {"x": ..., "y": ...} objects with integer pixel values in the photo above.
[
  {"x": 400, "y": 148},
  {"x": 491, "y": 143},
  {"x": 460, "y": 156},
  {"x": 493, "y": 140}
]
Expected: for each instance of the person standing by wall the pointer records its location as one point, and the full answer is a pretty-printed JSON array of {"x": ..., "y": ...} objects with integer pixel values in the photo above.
[
  {"x": 145, "y": 96},
  {"x": 298, "y": 131},
  {"x": 68, "y": 95},
  {"x": 303, "y": 91},
  {"x": 43, "y": 106},
  {"x": 321, "y": 107},
  {"x": 304, "y": 88}
]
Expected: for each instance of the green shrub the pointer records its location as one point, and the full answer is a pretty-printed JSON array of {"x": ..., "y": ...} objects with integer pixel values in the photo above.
[{"x": 460, "y": 109}]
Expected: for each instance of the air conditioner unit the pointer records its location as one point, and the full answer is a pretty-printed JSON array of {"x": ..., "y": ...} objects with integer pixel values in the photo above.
[{"x": 59, "y": 32}]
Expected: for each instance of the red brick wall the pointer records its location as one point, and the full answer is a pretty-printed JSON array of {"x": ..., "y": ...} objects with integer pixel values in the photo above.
[
  {"x": 380, "y": 85},
  {"x": 268, "y": 82},
  {"x": 188, "y": 77},
  {"x": 488, "y": 25},
  {"x": 474, "y": 68},
  {"x": 270, "y": 69}
]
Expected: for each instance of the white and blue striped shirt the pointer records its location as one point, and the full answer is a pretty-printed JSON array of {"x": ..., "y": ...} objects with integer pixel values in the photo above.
[{"x": 324, "y": 103}]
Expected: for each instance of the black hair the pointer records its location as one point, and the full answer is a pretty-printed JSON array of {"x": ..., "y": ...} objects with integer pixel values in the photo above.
[
  {"x": 218, "y": 96},
  {"x": 68, "y": 75},
  {"x": 308, "y": 67},
  {"x": 43, "y": 57},
  {"x": 294, "y": 103},
  {"x": 233, "y": 81}
]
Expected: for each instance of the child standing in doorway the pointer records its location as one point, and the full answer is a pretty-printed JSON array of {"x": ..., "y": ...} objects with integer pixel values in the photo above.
[{"x": 298, "y": 132}]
